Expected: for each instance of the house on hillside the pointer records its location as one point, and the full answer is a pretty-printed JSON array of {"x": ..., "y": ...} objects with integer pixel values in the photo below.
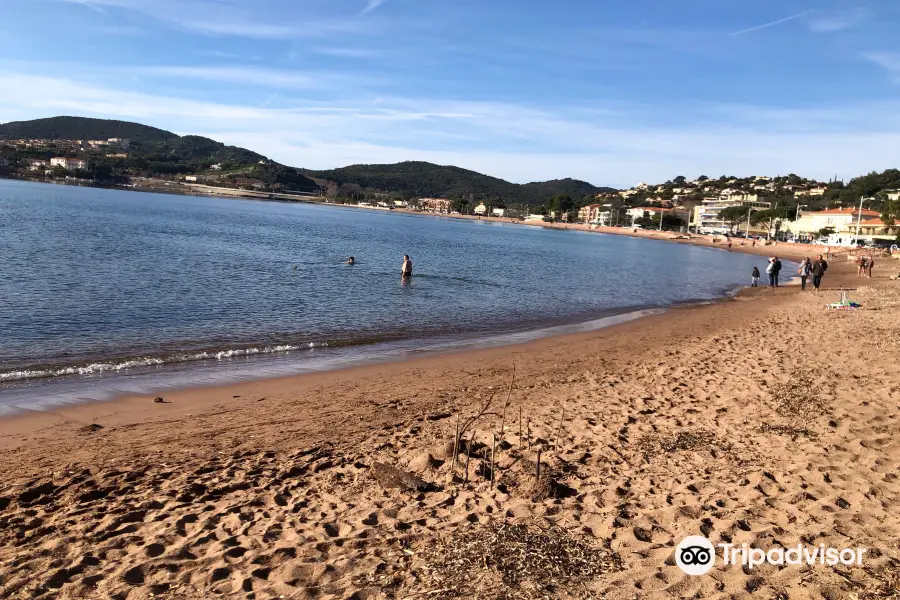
[{"x": 480, "y": 210}]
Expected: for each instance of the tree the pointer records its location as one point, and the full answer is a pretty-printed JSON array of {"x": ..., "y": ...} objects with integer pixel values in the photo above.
[
  {"x": 733, "y": 215},
  {"x": 680, "y": 179},
  {"x": 771, "y": 219},
  {"x": 890, "y": 212},
  {"x": 671, "y": 221},
  {"x": 826, "y": 231},
  {"x": 561, "y": 204},
  {"x": 703, "y": 178}
]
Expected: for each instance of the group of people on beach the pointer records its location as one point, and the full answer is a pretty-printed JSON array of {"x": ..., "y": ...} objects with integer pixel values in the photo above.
[
  {"x": 864, "y": 266},
  {"x": 808, "y": 268}
]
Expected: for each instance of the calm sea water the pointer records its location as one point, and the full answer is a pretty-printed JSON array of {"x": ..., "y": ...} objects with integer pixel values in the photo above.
[{"x": 100, "y": 286}]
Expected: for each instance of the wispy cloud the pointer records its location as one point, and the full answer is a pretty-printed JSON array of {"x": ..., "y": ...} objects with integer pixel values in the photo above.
[
  {"x": 227, "y": 18},
  {"x": 258, "y": 77},
  {"x": 888, "y": 61},
  {"x": 830, "y": 23},
  {"x": 372, "y": 5},
  {"x": 771, "y": 23},
  {"x": 344, "y": 52}
]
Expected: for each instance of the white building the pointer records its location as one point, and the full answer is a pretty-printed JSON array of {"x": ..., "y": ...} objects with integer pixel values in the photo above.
[
  {"x": 591, "y": 213},
  {"x": 836, "y": 219},
  {"x": 480, "y": 210},
  {"x": 69, "y": 164},
  {"x": 706, "y": 216},
  {"x": 498, "y": 212}
]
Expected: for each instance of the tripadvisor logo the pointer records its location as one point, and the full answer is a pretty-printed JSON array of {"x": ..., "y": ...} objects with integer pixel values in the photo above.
[{"x": 696, "y": 555}]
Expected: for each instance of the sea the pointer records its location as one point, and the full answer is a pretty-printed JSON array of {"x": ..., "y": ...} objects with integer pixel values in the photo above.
[{"x": 105, "y": 293}]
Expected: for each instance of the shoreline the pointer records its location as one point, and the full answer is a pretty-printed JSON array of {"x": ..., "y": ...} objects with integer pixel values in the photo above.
[
  {"x": 166, "y": 379},
  {"x": 717, "y": 418},
  {"x": 31, "y": 419}
]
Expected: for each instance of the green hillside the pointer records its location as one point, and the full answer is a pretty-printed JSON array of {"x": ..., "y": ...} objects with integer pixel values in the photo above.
[
  {"x": 80, "y": 128},
  {"x": 424, "y": 179},
  {"x": 153, "y": 153}
]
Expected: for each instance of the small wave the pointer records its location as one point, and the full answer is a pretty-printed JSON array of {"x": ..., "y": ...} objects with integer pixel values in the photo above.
[{"x": 149, "y": 361}]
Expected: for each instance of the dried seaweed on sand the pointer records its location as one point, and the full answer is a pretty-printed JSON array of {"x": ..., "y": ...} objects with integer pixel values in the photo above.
[
  {"x": 501, "y": 560},
  {"x": 801, "y": 398}
]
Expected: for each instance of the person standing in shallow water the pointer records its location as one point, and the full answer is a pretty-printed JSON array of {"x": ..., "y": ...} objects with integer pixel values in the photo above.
[
  {"x": 406, "y": 269},
  {"x": 754, "y": 277},
  {"x": 776, "y": 269}
]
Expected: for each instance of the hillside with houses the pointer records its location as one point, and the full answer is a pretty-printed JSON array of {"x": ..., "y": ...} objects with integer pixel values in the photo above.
[{"x": 867, "y": 208}]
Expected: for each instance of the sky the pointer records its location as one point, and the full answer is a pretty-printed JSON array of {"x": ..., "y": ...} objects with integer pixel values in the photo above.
[{"x": 607, "y": 91}]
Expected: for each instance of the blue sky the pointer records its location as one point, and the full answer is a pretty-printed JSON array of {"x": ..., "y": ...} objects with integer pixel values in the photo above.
[{"x": 612, "y": 92}]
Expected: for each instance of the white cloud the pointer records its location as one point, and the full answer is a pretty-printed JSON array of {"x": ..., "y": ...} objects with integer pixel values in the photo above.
[
  {"x": 372, "y": 5},
  {"x": 830, "y": 23},
  {"x": 888, "y": 61},
  {"x": 226, "y": 18},
  {"x": 252, "y": 76},
  {"x": 512, "y": 141},
  {"x": 770, "y": 24}
]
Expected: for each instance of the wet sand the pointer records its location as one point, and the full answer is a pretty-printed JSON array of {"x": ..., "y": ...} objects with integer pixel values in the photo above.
[{"x": 763, "y": 419}]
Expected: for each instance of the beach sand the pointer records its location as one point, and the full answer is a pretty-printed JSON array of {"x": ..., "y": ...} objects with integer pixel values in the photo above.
[{"x": 763, "y": 420}]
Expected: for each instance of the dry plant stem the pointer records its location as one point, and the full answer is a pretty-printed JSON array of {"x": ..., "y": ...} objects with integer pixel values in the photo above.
[
  {"x": 455, "y": 449},
  {"x": 469, "y": 455},
  {"x": 559, "y": 428},
  {"x": 528, "y": 431},
  {"x": 471, "y": 420},
  {"x": 537, "y": 469},
  {"x": 493, "y": 455},
  {"x": 506, "y": 404},
  {"x": 520, "y": 429}
]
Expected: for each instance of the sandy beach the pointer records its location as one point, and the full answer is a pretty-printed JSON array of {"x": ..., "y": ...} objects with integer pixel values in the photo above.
[{"x": 763, "y": 419}]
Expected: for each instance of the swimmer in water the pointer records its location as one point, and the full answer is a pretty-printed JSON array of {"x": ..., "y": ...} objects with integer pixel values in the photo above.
[
  {"x": 351, "y": 261},
  {"x": 406, "y": 268}
]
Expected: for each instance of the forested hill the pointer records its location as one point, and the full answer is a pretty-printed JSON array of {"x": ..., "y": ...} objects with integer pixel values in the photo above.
[
  {"x": 423, "y": 179},
  {"x": 152, "y": 153},
  {"x": 81, "y": 128}
]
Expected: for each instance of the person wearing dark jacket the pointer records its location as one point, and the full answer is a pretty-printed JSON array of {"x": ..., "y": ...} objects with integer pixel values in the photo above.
[
  {"x": 754, "y": 278},
  {"x": 818, "y": 269},
  {"x": 776, "y": 269}
]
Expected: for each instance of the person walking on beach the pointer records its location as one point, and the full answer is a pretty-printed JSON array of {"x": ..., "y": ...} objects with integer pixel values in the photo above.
[
  {"x": 860, "y": 266},
  {"x": 777, "y": 269},
  {"x": 754, "y": 277},
  {"x": 870, "y": 262},
  {"x": 804, "y": 271},
  {"x": 818, "y": 270},
  {"x": 406, "y": 268}
]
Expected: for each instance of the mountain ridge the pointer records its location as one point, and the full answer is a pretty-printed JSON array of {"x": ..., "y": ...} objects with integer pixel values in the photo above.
[{"x": 161, "y": 152}]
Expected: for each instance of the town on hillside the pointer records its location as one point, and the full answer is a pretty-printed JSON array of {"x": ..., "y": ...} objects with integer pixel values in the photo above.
[{"x": 786, "y": 208}]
